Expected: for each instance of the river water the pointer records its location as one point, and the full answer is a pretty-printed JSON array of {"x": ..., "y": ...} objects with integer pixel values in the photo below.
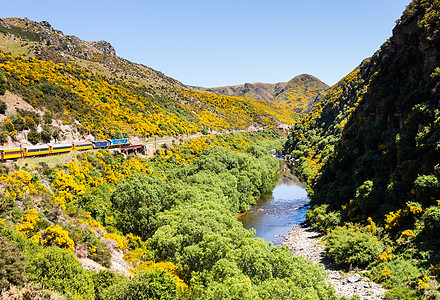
[{"x": 277, "y": 213}]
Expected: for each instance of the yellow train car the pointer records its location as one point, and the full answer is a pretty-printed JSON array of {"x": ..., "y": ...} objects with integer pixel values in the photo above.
[
  {"x": 31, "y": 151},
  {"x": 12, "y": 153},
  {"x": 79, "y": 146},
  {"x": 60, "y": 148}
]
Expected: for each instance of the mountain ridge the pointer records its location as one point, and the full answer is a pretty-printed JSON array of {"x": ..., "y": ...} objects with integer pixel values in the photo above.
[
  {"x": 304, "y": 84},
  {"x": 45, "y": 42}
]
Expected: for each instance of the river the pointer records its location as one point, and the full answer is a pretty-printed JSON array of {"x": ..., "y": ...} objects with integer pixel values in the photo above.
[{"x": 276, "y": 214}]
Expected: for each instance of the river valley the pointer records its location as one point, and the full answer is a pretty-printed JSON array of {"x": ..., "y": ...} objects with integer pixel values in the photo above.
[{"x": 276, "y": 214}]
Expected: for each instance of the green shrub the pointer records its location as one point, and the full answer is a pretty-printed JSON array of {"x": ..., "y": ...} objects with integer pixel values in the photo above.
[
  {"x": 3, "y": 105},
  {"x": 6, "y": 204},
  {"x": 12, "y": 264},
  {"x": 364, "y": 197},
  {"x": 103, "y": 280},
  {"x": 46, "y": 134},
  {"x": 400, "y": 275},
  {"x": 34, "y": 137},
  {"x": 402, "y": 292},
  {"x": 431, "y": 220},
  {"x": 321, "y": 219},
  {"x": 155, "y": 284},
  {"x": 351, "y": 246},
  {"x": 3, "y": 137},
  {"x": 47, "y": 117},
  {"x": 426, "y": 186},
  {"x": 58, "y": 269}
]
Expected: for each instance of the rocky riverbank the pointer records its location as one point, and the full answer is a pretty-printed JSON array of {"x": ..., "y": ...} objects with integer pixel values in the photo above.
[{"x": 306, "y": 242}]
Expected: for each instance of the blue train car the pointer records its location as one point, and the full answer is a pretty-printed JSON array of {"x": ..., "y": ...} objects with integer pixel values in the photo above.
[
  {"x": 100, "y": 144},
  {"x": 118, "y": 142}
]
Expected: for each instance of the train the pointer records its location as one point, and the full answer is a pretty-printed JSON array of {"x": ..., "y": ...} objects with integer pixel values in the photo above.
[{"x": 49, "y": 149}]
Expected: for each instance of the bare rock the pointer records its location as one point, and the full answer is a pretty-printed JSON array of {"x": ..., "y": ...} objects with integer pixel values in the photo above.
[{"x": 353, "y": 278}]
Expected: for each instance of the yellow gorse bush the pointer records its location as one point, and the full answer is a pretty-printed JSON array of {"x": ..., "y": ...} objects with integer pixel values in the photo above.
[
  {"x": 58, "y": 236},
  {"x": 392, "y": 218},
  {"x": 372, "y": 226},
  {"x": 423, "y": 282},
  {"x": 386, "y": 255},
  {"x": 407, "y": 234},
  {"x": 27, "y": 222},
  {"x": 19, "y": 184},
  {"x": 106, "y": 108}
]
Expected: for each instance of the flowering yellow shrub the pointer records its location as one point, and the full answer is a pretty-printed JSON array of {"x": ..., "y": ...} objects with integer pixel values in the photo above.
[
  {"x": 19, "y": 184},
  {"x": 105, "y": 107},
  {"x": 415, "y": 210},
  {"x": 407, "y": 234},
  {"x": 386, "y": 255},
  {"x": 392, "y": 218},
  {"x": 121, "y": 241},
  {"x": 386, "y": 273},
  {"x": 134, "y": 257},
  {"x": 435, "y": 269},
  {"x": 89, "y": 221},
  {"x": 236, "y": 112},
  {"x": 169, "y": 267},
  {"x": 423, "y": 282},
  {"x": 27, "y": 222},
  {"x": 58, "y": 236},
  {"x": 372, "y": 226}
]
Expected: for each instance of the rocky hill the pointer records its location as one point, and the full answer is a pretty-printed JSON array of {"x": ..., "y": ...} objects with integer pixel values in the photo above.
[{"x": 41, "y": 40}]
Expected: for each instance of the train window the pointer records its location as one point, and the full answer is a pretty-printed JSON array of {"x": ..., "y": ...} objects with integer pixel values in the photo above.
[{"x": 12, "y": 152}]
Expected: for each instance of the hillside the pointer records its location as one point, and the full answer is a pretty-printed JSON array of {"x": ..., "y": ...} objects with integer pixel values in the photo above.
[
  {"x": 370, "y": 148},
  {"x": 103, "y": 225},
  {"x": 22, "y": 36},
  {"x": 298, "y": 94},
  {"x": 86, "y": 86}
]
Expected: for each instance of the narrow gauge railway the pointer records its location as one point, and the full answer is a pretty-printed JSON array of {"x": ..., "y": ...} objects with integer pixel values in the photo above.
[{"x": 52, "y": 149}]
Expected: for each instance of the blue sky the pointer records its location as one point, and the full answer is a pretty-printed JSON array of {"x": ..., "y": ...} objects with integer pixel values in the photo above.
[{"x": 216, "y": 43}]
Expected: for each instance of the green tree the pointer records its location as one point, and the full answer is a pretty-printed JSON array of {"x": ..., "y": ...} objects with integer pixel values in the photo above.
[
  {"x": 103, "y": 280},
  {"x": 46, "y": 133},
  {"x": 138, "y": 199}
]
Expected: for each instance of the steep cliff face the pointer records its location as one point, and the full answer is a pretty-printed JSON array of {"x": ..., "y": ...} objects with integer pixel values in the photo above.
[
  {"x": 380, "y": 124},
  {"x": 392, "y": 136}
]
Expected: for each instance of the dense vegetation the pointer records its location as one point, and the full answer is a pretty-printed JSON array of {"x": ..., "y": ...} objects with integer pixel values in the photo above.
[
  {"x": 85, "y": 85},
  {"x": 108, "y": 108},
  {"x": 298, "y": 94},
  {"x": 370, "y": 153},
  {"x": 173, "y": 216}
]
